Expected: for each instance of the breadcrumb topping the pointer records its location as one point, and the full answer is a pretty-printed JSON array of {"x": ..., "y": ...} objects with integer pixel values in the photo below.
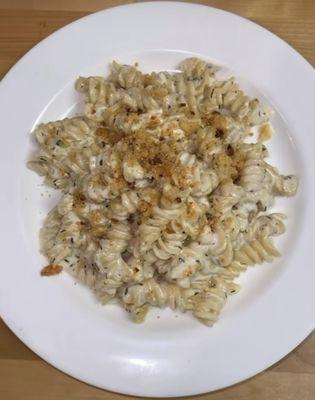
[{"x": 51, "y": 269}]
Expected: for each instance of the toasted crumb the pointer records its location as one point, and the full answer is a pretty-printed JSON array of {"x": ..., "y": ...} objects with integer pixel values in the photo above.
[
  {"x": 265, "y": 132},
  {"x": 153, "y": 122},
  {"x": 223, "y": 165},
  {"x": 149, "y": 198},
  {"x": 189, "y": 126},
  {"x": 158, "y": 160},
  {"x": 108, "y": 136},
  {"x": 51, "y": 269},
  {"x": 216, "y": 120}
]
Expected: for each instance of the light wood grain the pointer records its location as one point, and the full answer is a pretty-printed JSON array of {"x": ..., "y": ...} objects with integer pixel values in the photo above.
[
  {"x": 23, "y": 375},
  {"x": 23, "y": 23}
]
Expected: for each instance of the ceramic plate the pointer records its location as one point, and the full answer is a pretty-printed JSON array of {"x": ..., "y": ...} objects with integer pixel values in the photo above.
[{"x": 170, "y": 354}]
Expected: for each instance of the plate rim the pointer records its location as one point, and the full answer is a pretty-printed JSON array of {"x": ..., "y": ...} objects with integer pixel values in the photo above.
[{"x": 6, "y": 318}]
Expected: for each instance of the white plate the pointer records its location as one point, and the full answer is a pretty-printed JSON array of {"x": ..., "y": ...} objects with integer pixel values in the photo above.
[{"x": 171, "y": 354}]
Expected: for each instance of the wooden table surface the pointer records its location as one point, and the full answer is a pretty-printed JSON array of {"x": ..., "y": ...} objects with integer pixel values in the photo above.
[{"x": 23, "y": 375}]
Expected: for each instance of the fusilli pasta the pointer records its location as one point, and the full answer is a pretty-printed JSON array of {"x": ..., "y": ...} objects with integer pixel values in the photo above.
[{"x": 165, "y": 196}]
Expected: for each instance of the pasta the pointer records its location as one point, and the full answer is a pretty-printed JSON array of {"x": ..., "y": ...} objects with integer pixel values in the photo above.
[{"x": 165, "y": 192}]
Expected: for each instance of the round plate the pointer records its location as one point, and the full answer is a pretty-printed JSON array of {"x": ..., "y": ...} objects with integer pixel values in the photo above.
[{"x": 170, "y": 354}]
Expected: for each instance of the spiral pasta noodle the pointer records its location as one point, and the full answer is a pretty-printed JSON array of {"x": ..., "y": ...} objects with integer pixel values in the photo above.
[{"x": 165, "y": 196}]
